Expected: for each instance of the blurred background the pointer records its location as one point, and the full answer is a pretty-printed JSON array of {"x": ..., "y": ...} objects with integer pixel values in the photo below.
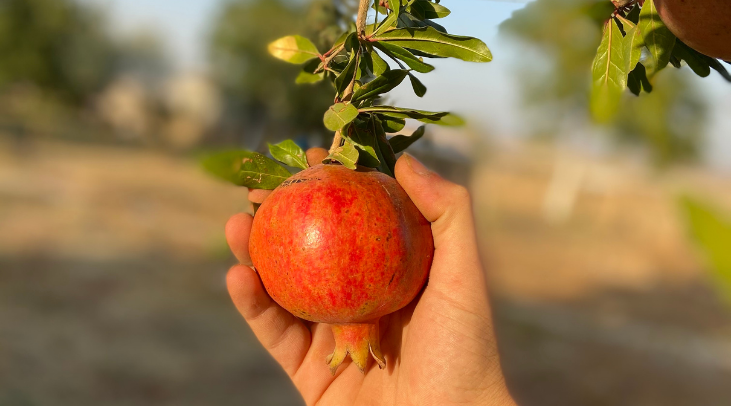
[{"x": 608, "y": 248}]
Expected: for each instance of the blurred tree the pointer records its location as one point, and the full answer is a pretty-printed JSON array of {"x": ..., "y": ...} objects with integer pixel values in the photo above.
[
  {"x": 261, "y": 95},
  {"x": 143, "y": 56},
  {"x": 565, "y": 34},
  {"x": 55, "y": 45},
  {"x": 711, "y": 230}
]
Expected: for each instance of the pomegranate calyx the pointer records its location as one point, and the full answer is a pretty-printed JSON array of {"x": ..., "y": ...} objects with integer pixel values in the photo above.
[{"x": 360, "y": 341}]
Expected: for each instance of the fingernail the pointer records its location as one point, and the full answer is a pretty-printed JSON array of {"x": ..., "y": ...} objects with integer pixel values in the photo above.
[{"x": 415, "y": 165}]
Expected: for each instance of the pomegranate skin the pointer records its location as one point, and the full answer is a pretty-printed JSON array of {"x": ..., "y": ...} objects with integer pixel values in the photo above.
[
  {"x": 338, "y": 246},
  {"x": 704, "y": 25}
]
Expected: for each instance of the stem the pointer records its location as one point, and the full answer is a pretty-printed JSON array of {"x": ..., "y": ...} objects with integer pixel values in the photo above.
[
  {"x": 360, "y": 24},
  {"x": 336, "y": 141}
]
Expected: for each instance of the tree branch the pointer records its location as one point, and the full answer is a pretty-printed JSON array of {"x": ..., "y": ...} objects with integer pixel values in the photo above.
[{"x": 360, "y": 24}]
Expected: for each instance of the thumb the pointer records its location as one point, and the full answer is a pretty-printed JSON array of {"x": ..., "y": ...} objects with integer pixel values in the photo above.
[{"x": 448, "y": 206}]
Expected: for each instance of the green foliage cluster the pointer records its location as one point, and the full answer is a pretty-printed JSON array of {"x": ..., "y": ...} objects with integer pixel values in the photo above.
[
  {"x": 563, "y": 36},
  {"x": 258, "y": 99},
  {"x": 56, "y": 45},
  {"x": 635, "y": 46},
  {"x": 355, "y": 64}
]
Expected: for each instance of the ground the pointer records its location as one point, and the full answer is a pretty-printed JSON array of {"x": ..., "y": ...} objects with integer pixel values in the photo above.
[{"x": 112, "y": 265}]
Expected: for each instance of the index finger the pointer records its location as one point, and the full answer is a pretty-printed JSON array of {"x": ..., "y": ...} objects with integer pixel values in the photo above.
[
  {"x": 238, "y": 229},
  {"x": 316, "y": 155}
]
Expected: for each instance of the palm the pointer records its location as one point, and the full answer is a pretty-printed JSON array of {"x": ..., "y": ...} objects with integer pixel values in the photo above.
[{"x": 422, "y": 361}]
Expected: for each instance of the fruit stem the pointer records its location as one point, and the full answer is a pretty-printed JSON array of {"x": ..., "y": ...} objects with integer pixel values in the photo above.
[
  {"x": 360, "y": 341},
  {"x": 336, "y": 141}
]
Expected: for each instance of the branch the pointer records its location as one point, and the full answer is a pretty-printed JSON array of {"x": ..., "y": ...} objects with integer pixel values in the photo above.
[{"x": 360, "y": 24}]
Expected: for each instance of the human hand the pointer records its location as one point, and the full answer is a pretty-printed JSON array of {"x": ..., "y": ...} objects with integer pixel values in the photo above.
[{"x": 440, "y": 349}]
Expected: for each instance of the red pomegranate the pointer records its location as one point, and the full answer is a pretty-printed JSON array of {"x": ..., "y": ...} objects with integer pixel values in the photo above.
[
  {"x": 704, "y": 25},
  {"x": 342, "y": 247}
]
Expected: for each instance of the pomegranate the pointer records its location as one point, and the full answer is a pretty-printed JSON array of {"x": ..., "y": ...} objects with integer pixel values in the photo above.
[
  {"x": 704, "y": 25},
  {"x": 342, "y": 247}
]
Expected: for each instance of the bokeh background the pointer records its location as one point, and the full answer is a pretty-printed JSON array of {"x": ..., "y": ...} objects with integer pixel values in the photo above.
[{"x": 607, "y": 248}]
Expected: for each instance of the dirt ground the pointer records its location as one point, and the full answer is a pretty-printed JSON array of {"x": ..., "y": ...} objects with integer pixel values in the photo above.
[{"x": 112, "y": 264}]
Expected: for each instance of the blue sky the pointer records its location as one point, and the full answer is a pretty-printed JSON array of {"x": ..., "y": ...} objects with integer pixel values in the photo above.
[{"x": 485, "y": 93}]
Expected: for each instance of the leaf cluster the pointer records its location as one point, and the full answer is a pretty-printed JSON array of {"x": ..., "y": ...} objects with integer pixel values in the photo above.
[
  {"x": 635, "y": 46},
  {"x": 402, "y": 32}
]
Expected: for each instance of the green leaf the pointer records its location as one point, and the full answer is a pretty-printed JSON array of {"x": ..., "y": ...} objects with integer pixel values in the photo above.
[
  {"x": 387, "y": 23},
  {"x": 305, "y": 77},
  {"x": 379, "y": 65},
  {"x": 419, "y": 88},
  {"x": 351, "y": 42},
  {"x": 346, "y": 76},
  {"x": 632, "y": 44},
  {"x": 246, "y": 168},
  {"x": 441, "y": 118},
  {"x": 372, "y": 65},
  {"x": 395, "y": 6},
  {"x": 658, "y": 38},
  {"x": 634, "y": 14},
  {"x": 365, "y": 142},
  {"x": 406, "y": 20},
  {"x": 346, "y": 154},
  {"x": 712, "y": 232},
  {"x": 401, "y": 142},
  {"x": 718, "y": 67},
  {"x": 397, "y": 52},
  {"x": 338, "y": 115},
  {"x": 693, "y": 58},
  {"x": 637, "y": 80},
  {"x": 426, "y": 9},
  {"x": 609, "y": 77},
  {"x": 432, "y": 42},
  {"x": 289, "y": 153},
  {"x": 293, "y": 49},
  {"x": 382, "y": 84},
  {"x": 391, "y": 124},
  {"x": 383, "y": 148},
  {"x": 344, "y": 36}
]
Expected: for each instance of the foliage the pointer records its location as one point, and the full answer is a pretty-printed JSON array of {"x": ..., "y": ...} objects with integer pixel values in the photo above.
[
  {"x": 402, "y": 31},
  {"x": 669, "y": 122},
  {"x": 712, "y": 232},
  {"x": 56, "y": 45},
  {"x": 258, "y": 97},
  {"x": 635, "y": 27}
]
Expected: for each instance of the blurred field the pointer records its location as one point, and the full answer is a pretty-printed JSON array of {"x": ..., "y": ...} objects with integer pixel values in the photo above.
[{"x": 112, "y": 264}]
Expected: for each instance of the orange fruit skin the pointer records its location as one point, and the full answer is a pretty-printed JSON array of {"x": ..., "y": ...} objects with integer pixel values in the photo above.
[{"x": 704, "y": 25}]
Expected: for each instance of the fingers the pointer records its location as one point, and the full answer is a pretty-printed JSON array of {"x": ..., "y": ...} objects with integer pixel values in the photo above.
[
  {"x": 456, "y": 266},
  {"x": 238, "y": 229},
  {"x": 258, "y": 195},
  {"x": 316, "y": 155},
  {"x": 445, "y": 204},
  {"x": 282, "y": 334},
  {"x": 285, "y": 337}
]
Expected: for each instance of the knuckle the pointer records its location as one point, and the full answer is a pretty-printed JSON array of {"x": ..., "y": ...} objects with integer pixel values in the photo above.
[{"x": 460, "y": 194}]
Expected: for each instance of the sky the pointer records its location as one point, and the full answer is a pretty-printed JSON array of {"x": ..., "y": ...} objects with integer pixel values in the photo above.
[{"x": 484, "y": 93}]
